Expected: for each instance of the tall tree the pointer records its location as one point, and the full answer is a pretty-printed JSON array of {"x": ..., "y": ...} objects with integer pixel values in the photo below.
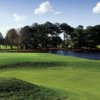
[
  {"x": 66, "y": 29},
  {"x": 26, "y": 37},
  {"x": 37, "y": 35},
  {"x": 97, "y": 35},
  {"x": 50, "y": 31},
  {"x": 89, "y": 31},
  {"x": 11, "y": 37},
  {"x": 78, "y": 37},
  {"x": 93, "y": 36}
]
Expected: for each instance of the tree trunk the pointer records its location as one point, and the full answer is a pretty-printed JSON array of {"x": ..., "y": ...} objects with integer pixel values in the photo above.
[
  {"x": 11, "y": 47},
  {"x": 64, "y": 39},
  {"x": 18, "y": 47}
]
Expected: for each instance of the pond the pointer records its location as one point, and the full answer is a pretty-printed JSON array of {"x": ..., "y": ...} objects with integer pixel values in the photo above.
[{"x": 87, "y": 55}]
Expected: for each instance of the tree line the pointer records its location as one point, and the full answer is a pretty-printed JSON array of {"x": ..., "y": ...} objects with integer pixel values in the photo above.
[{"x": 47, "y": 35}]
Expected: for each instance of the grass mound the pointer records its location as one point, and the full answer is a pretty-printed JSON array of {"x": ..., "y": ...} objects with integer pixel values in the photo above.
[
  {"x": 14, "y": 89},
  {"x": 44, "y": 60}
]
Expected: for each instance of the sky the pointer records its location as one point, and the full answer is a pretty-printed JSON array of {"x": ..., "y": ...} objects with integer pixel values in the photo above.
[{"x": 18, "y": 13}]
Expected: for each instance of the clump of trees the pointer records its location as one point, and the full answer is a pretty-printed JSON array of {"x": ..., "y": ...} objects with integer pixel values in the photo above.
[
  {"x": 47, "y": 35},
  {"x": 37, "y": 36}
]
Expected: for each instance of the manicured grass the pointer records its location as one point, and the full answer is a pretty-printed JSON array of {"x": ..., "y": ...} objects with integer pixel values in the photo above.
[
  {"x": 47, "y": 60},
  {"x": 7, "y": 47},
  {"x": 76, "y": 78}
]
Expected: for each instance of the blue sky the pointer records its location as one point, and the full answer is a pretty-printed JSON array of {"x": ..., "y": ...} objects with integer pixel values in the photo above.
[{"x": 18, "y": 13}]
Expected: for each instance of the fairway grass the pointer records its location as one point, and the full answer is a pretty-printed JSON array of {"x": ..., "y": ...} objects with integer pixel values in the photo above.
[{"x": 76, "y": 78}]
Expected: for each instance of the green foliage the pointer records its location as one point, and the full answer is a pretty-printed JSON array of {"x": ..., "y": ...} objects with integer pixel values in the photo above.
[
  {"x": 47, "y": 35},
  {"x": 40, "y": 36},
  {"x": 12, "y": 37}
]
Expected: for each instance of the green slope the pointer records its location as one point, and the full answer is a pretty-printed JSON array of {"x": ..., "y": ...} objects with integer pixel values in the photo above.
[
  {"x": 14, "y": 89},
  {"x": 76, "y": 78}
]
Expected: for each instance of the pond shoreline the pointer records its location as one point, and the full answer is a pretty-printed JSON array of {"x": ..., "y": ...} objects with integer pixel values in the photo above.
[
  {"x": 80, "y": 54},
  {"x": 50, "y": 49}
]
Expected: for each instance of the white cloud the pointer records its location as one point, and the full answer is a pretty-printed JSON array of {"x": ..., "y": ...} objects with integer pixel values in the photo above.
[
  {"x": 57, "y": 13},
  {"x": 18, "y": 17},
  {"x": 96, "y": 9},
  {"x": 45, "y": 7}
]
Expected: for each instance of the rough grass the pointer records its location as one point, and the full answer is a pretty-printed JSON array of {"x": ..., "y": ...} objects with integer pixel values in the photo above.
[
  {"x": 14, "y": 89},
  {"x": 8, "y": 47},
  {"x": 78, "y": 78}
]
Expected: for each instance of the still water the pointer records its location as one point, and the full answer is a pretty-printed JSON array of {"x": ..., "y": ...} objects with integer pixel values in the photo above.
[{"x": 87, "y": 55}]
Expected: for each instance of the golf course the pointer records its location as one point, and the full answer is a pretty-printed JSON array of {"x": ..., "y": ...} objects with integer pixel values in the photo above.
[{"x": 45, "y": 76}]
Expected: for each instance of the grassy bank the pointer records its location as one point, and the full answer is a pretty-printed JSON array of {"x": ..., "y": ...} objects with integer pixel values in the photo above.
[
  {"x": 78, "y": 78},
  {"x": 14, "y": 89}
]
